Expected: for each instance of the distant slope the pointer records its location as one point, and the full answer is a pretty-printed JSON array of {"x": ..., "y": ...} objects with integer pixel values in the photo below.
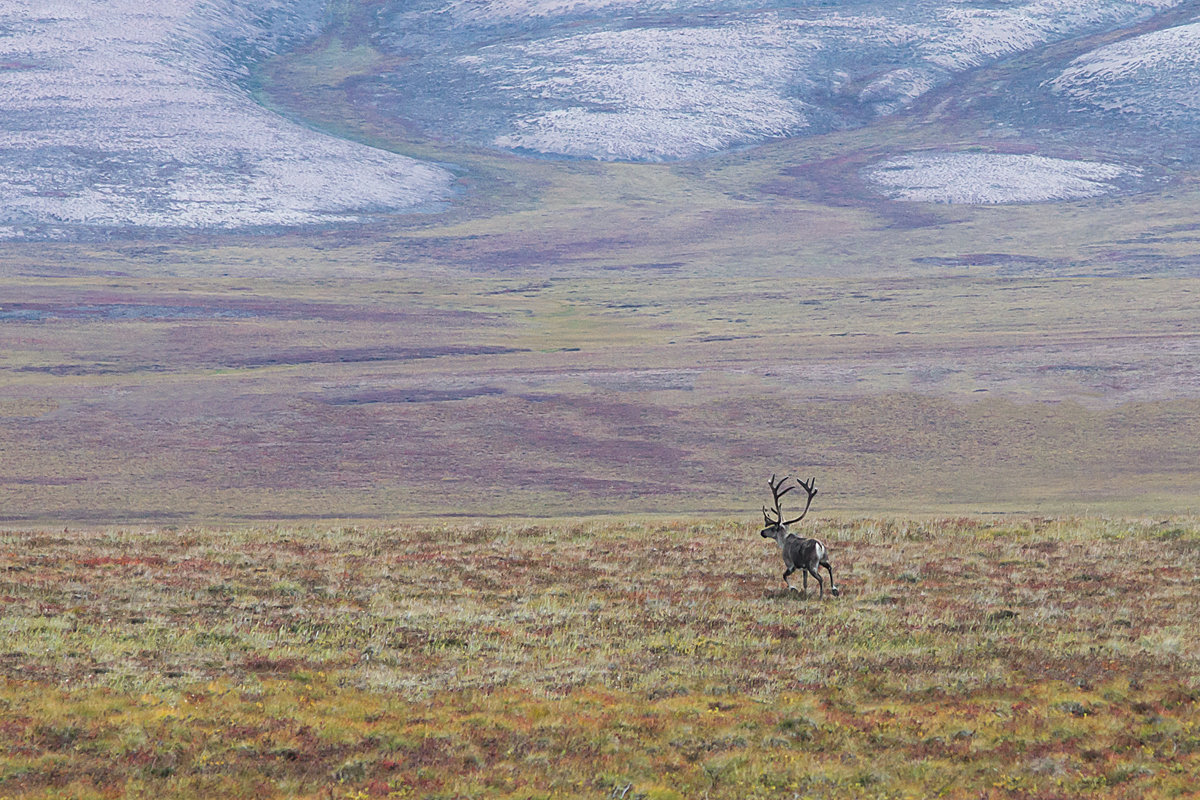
[
  {"x": 118, "y": 114},
  {"x": 617, "y": 80},
  {"x": 993, "y": 178},
  {"x": 1154, "y": 78}
]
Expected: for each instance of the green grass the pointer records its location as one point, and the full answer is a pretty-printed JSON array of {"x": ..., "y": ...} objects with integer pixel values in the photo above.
[{"x": 965, "y": 658}]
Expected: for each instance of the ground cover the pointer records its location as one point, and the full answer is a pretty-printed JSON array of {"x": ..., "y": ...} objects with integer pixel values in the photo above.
[{"x": 1023, "y": 657}]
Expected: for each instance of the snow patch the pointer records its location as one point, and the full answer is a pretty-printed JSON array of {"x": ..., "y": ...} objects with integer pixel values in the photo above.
[
  {"x": 115, "y": 113},
  {"x": 656, "y": 93},
  {"x": 993, "y": 178},
  {"x": 491, "y": 11},
  {"x": 979, "y": 35}
]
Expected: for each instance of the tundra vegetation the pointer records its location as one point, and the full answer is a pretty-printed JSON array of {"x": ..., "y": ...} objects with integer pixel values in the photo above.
[
  {"x": 966, "y": 658},
  {"x": 191, "y": 333}
]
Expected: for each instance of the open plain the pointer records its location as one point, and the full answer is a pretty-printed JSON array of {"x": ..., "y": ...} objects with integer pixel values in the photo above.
[
  {"x": 632, "y": 338},
  {"x": 1028, "y": 658}
]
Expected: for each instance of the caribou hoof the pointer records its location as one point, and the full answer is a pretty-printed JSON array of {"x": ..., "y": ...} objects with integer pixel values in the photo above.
[{"x": 836, "y": 591}]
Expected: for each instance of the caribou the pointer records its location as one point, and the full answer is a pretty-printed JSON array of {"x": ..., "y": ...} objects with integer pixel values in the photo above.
[{"x": 807, "y": 555}]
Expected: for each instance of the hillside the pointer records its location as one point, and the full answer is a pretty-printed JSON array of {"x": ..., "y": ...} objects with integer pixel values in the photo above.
[
  {"x": 121, "y": 119},
  {"x": 666, "y": 80}
]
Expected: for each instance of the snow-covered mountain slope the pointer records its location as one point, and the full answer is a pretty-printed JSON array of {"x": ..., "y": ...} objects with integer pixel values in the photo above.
[
  {"x": 666, "y": 79},
  {"x": 1155, "y": 76},
  {"x": 119, "y": 113}
]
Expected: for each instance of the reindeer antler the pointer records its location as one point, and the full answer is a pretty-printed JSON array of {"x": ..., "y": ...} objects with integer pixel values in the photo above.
[
  {"x": 777, "y": 492},
  {"x": 811, "y": 488}
]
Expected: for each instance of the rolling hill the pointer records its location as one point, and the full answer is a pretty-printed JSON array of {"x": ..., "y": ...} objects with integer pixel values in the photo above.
[{"x": 121, "y": 118}]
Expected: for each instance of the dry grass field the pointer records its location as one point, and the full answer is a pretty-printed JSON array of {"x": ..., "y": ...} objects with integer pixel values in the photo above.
[{"x": 1023, "y": 658}]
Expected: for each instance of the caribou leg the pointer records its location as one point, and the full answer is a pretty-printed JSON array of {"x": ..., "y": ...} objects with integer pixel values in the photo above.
[
  {"x": 832, "y": 585},
  {"x": 820, "y": 581}
]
